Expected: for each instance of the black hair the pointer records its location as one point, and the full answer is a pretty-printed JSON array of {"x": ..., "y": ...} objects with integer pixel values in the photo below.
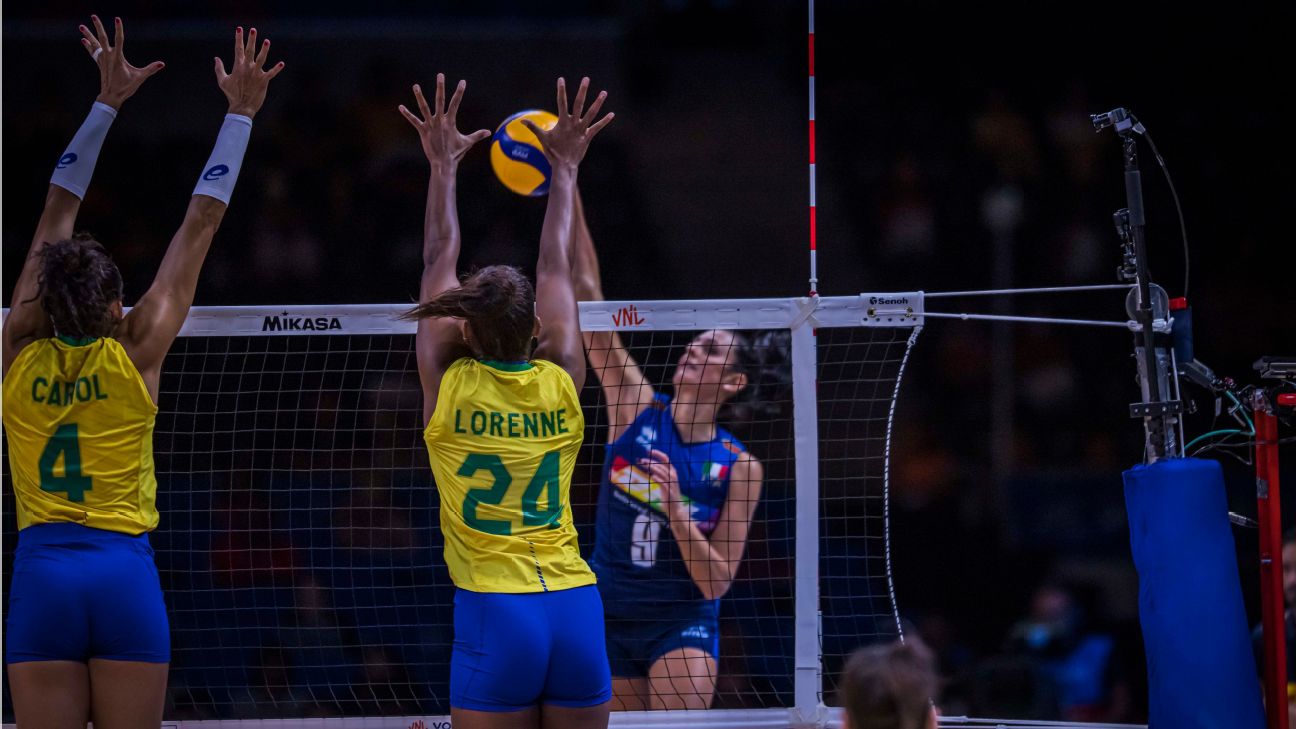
[
  {"x": 77, "y": 285},
  {"x": 765, "y": 357}
]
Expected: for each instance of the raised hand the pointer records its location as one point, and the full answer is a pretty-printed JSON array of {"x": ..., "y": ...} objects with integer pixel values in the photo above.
[
  {"x": 442, "y": 141},
  {"x": 566, "y": 142},
  {"x": 662, "y": 472},
  {"x": 118, "y": 79},
  {"x": 245, "y": 85}
]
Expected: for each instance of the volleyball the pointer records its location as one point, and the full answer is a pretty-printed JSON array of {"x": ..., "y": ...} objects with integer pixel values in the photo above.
[{"x": 517, "y": 156}]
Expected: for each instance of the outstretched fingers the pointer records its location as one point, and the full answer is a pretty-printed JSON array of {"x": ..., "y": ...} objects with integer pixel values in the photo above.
[
  {"x": 452, "y": 111},
  {"x": 100, "y": 34},
  {"x": 439, "y": 105},
  {"x": 422, "y": 104},
  {"x": 593, "y": 111},
  {"x": 579, "y": 104},
  {"x": 597, "y": 126},
  {"x": 541, "y": 133},
  {"x": 263, "y": 53},
  {"x": 410, "y": 117},
  {"x": 562, "y": 98}
]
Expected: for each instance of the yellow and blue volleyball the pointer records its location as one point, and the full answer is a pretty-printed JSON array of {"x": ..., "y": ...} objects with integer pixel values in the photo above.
[{"x": 517, "y": 156}]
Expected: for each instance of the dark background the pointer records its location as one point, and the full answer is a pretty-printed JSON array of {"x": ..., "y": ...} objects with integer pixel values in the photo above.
[{"x": 699, "y": 189}]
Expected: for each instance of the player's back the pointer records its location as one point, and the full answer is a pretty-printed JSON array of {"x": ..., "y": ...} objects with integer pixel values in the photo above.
[
  {"x": 79, "y": 421},
  {"x": 503, "y": 444}
]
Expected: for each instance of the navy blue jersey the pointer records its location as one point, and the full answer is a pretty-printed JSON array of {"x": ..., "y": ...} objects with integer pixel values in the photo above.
[{"x": 639, "y": 566}]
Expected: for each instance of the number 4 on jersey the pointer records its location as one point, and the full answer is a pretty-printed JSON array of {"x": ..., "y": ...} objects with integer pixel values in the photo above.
[{"x": 64, "y": 443}]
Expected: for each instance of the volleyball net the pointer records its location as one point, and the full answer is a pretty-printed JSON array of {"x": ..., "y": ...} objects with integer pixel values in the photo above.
[{"x": 300, "y": 552}]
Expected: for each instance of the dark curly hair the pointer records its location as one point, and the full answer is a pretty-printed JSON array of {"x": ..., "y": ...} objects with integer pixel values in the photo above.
[
  {"x": 766, "y": 358},
  {"x": 498, "y": 302},
  {"x": 77, "y": 286}
]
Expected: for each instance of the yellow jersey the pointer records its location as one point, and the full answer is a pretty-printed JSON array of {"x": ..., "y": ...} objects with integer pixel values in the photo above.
[
  {"x": 79, "y": 420},
  {"x": 503, "y": 443}
]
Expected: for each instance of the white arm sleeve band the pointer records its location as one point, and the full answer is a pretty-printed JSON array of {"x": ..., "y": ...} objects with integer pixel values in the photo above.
[
  {"x": 222, "y": 168},
  {"x": 76, "y": 166}
]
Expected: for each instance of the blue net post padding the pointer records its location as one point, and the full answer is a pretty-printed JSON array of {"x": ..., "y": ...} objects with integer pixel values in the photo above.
[{"x": 1201, "y": 672}]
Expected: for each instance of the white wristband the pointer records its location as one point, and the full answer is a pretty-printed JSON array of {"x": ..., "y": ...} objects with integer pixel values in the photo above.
[
  {"x": 76, "y": 166},
  {"x": 222, "y": 169}
]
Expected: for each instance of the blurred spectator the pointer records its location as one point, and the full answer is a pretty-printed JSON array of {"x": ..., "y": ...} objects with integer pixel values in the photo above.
[
  {"x": 1072, "y": 659},
  {"x": 889, "y": 686},
  {"x": 908, "y": 215}
]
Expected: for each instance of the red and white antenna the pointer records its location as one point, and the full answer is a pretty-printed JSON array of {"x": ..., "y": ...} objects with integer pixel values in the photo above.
[{"x": 814, "y": 268}]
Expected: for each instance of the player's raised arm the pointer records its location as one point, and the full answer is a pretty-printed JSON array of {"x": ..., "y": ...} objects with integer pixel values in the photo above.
[
  {"x": 118, "y": 81},
  {"x": 152, "y": 326},
  {"x": 564, "y": 146},
  {"x": 625, "y": 390},
  {"x": 438, "y": 341}
]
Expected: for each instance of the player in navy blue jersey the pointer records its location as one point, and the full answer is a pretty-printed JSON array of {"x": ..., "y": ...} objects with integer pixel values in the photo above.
[{"x": 676, "y": 501}]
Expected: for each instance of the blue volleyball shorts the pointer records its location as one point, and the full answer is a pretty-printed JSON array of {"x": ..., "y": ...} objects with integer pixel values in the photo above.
[
  {"x": 80, "y": 593},
  {"x": 514, "y": 651},
  {"x": 635, "y": 643}
]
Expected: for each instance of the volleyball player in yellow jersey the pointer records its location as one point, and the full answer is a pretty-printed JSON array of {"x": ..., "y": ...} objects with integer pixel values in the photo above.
[
  {"x": 87, "y": 636},
  {"x": 503, "y": 426}
]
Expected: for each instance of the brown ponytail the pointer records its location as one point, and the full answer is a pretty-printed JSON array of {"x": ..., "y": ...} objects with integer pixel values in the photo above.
[{"x": 498, "y": 302}]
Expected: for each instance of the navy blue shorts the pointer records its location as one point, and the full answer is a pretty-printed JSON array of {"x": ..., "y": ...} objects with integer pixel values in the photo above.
[
  {"x": 80, "y": 593},
  {"x": 634, "y": 643},
  {"x": 514, "y": 651}
]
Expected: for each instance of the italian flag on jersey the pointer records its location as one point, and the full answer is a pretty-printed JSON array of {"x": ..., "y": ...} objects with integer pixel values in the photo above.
[{"x": 714, "y": 471}]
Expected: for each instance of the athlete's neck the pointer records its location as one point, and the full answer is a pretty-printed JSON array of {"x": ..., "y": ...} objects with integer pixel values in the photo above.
[
  {"x": 695, "y": 421},
  {"x": 507, "y": 365}
]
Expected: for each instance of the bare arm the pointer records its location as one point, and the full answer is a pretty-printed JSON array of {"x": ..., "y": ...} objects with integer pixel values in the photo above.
[
  {"x": 152, "y": 325},
  {"x": 712, "y": 563},
  {"x": 438, "y": 342},
  {"x": 564, "y": 146},
  {"x": 118, "y": 81},
  {"x": 625, "y": 391},
  {"x": 27, "y": 321}
]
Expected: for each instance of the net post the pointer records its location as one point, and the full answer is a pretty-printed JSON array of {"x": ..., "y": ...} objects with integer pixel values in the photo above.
[{"x": 808, "y": 665}]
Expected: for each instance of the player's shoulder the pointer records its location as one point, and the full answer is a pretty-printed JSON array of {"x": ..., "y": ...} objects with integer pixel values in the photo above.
[{"x": 730, "y": 443}]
